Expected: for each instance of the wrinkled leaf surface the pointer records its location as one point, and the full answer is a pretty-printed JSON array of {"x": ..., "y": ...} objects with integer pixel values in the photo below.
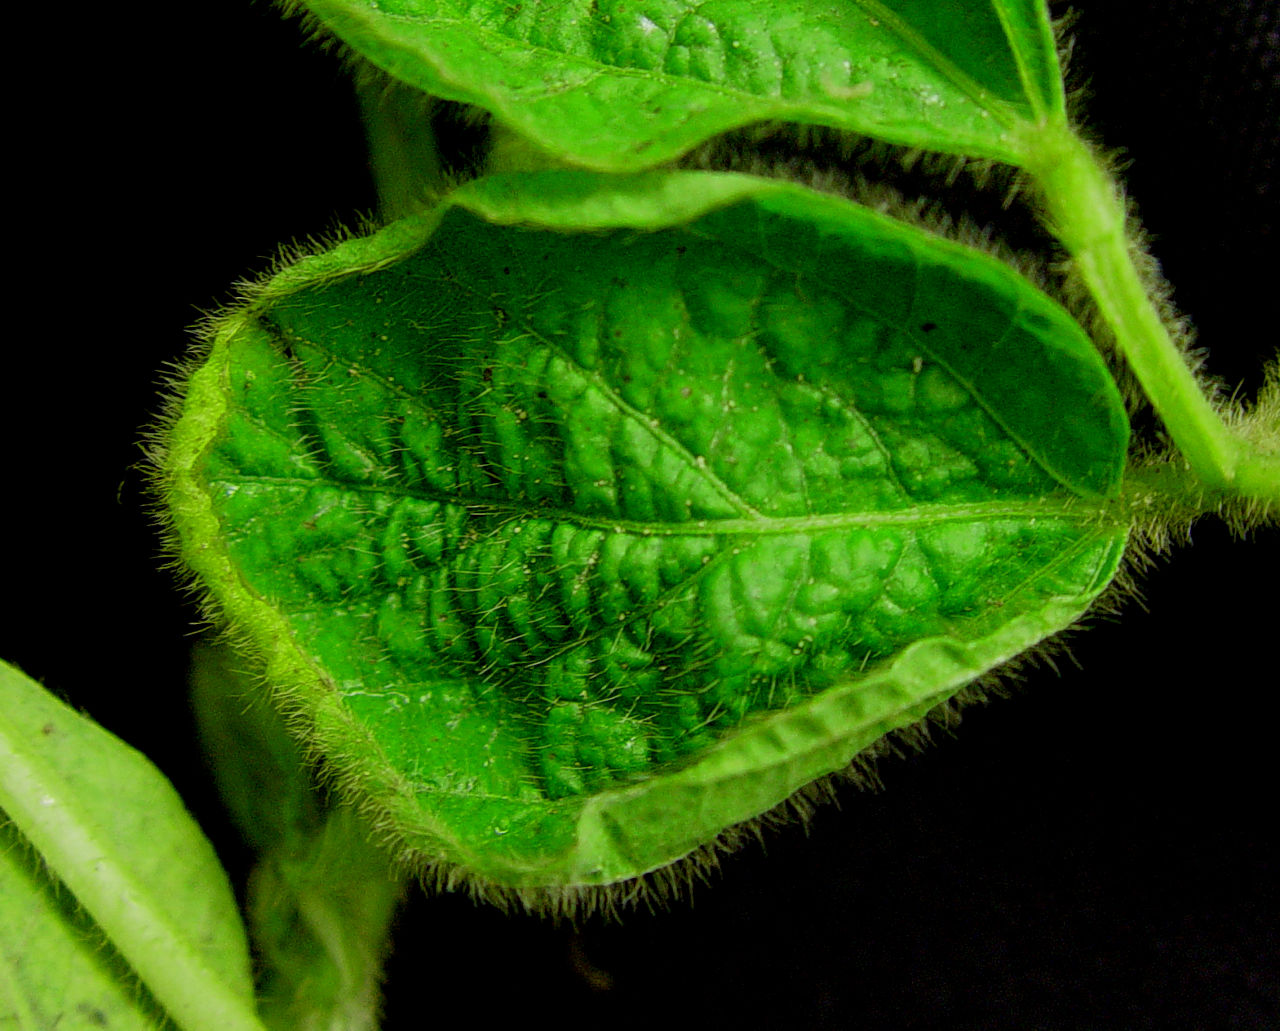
[
  {"x": 626, "y": 84},
  {"x": 582, "y": 546}
]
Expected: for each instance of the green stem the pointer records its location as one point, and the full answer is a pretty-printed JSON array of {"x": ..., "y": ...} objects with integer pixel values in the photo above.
[
  {"x": 1258, "y": 477},
  {"x": 1087, "y": 213},
  {"x": 321, "y": 915},
  {"x": 402, "y": 148},
  {"x": 323, "y": 895},
  {"x": 70, "y": 843}
]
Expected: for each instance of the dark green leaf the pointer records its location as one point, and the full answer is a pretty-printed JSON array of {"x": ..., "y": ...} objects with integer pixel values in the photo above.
[{"x": 588, "y": 517}]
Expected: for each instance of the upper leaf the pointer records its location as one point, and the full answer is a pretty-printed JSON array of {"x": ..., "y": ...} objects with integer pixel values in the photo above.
[
  {"x": 97, "y": 816},
  {"x": 587, "y": 517},
  {"x": 627, "y": 84}
]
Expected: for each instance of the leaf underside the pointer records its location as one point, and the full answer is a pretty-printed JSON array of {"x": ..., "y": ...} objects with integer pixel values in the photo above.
[
  {"x": 57, "y": 968},
  {"x": 581, "y": 546},
  {"x": 959, "y": 78}
]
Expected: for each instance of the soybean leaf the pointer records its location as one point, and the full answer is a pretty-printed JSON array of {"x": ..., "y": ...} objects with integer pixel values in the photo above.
[
  {"x": 55, "y": 969},
  {"x": 627, "y": 84},
  {"x": 586, "y": 517},
  {"x": 100, "y": 848}
]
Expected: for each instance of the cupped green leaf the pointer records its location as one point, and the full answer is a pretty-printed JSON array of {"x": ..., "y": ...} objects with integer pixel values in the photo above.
[
  {"x": 587, "y": 517},
  {"x": 628, "y": 84},
  {"x": 106, "y": 876}
]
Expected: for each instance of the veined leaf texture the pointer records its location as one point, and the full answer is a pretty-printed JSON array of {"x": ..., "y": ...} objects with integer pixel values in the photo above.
[
  {"x": 961, "y": 78},
  {"x": 582, "y": 530}
]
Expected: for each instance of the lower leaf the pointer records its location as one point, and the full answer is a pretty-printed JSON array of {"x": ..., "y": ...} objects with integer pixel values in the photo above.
[
  {"x": 110, "y": 896},
  {"x": 54, "y": 968},
  {"x": 583, "y": 519}
]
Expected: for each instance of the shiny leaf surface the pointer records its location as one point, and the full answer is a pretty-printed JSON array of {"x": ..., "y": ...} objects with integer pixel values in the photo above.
[{"x": 627, "y": 84}]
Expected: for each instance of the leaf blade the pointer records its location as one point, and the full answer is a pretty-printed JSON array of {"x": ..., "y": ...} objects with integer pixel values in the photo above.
[
  {"x": 960, "y": 78},
  {"x": 117, "y": 835},
  {"x": 719, "y": 467},
  {"x": 54, "y": 966}
]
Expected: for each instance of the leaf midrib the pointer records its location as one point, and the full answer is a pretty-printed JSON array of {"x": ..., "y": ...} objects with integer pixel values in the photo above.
[{"x": 1056, "y": 506}]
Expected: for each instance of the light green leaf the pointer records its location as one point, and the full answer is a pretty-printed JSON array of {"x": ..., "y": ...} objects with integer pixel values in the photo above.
[
  {"x": 115, "y": 840},
  {"x": 586, "y": 517},
  {"x": 55, "y": 969},
  {"x": 628, "y": 84}
]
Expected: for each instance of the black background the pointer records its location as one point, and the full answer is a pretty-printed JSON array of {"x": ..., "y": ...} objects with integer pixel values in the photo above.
[{"x": 1097, "y": 851}]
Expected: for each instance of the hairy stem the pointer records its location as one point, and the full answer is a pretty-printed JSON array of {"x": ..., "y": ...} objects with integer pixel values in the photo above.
[
  {"x": 1086, "y": 211},
  {"x": 1258, "y": 477},
  {"x": 403, "y": 157},
  {"x": 323, "y": 895},
  {"x": 321, "y": 916}
]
